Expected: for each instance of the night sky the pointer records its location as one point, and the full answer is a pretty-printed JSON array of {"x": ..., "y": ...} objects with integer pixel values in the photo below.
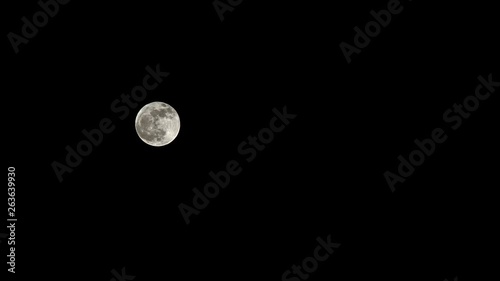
[{"x": 355, "y": 140}]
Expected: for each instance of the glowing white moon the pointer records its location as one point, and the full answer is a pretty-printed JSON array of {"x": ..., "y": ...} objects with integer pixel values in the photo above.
[{"x": 157, "y": 124}]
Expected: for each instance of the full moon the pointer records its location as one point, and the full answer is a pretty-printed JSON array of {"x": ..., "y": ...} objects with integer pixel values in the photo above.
[{"x": 157, "y": 124}]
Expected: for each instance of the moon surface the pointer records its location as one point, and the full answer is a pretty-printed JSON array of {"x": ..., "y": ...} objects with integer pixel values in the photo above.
[{"x": 157, "y": 123}]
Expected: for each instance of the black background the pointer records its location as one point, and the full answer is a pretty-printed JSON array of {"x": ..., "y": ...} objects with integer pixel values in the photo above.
[{"x": 323, "y": 175}]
